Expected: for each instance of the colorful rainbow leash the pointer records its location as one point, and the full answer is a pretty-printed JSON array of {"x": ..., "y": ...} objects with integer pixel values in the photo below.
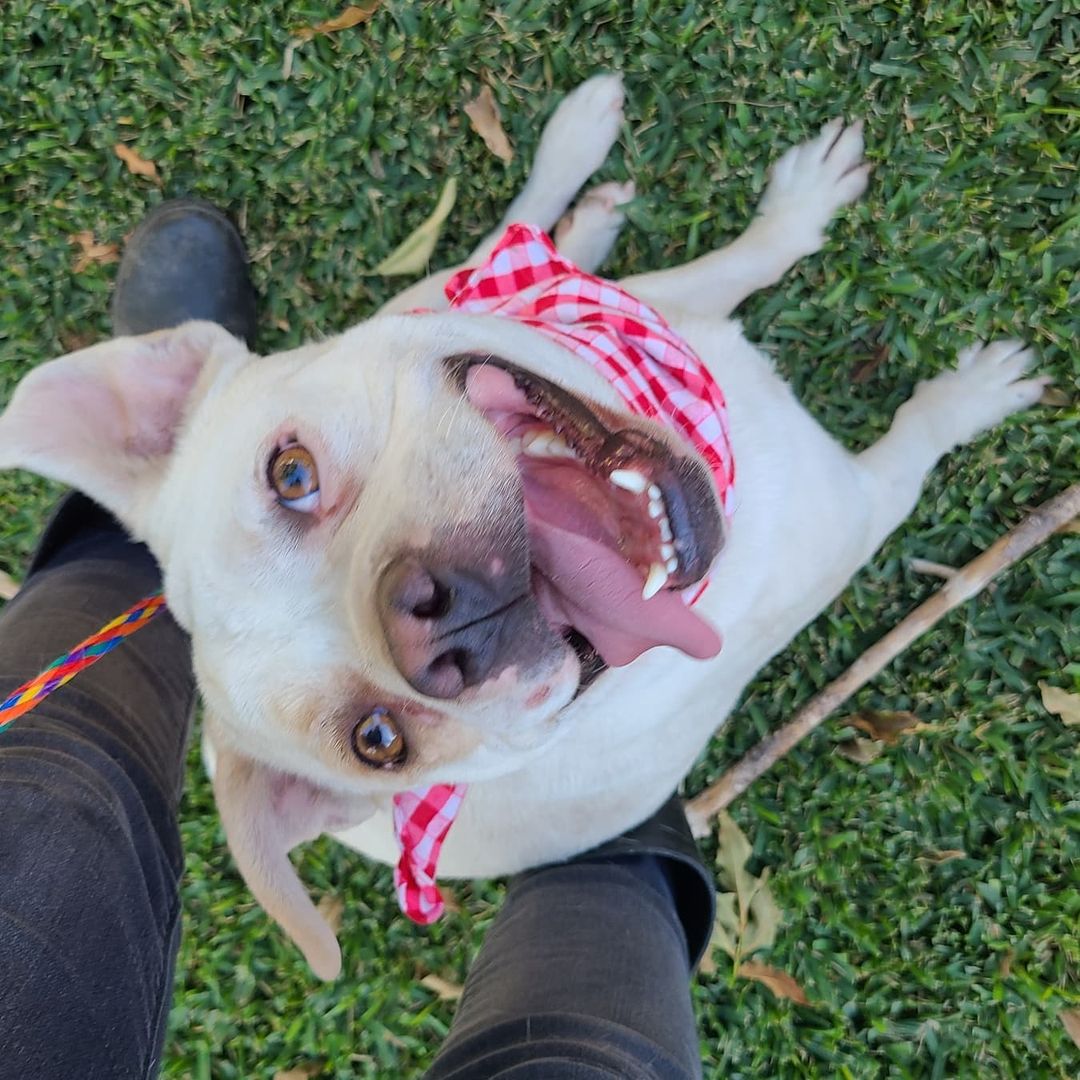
[{"x": 64, "y": 668}]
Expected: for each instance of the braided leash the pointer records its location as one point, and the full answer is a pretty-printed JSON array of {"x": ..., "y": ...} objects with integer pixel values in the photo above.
[{"x": 66, "y": 667}]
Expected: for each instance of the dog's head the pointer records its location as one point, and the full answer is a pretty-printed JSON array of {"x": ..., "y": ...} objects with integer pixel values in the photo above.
[{"x": 400, "y": 553}]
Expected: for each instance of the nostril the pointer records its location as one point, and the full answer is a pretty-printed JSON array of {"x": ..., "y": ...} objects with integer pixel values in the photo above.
[
  {"x": 437, "y": 605},
  {"x": 448, "y": 673}
]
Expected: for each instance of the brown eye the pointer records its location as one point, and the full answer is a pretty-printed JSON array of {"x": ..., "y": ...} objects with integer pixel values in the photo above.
[
  {"x": 377, "y": 740},
  {"x": 294, "y": 478}
]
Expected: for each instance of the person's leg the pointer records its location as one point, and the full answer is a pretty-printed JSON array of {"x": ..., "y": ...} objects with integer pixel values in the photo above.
[
  {"x": 90, "y": 853},
  {"x": 585, "y": 972}
]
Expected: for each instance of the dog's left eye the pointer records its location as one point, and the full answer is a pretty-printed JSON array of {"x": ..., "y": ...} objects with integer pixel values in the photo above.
[
  {"x": 294, "y": 478},
  {"x": 377, "y": 740}
]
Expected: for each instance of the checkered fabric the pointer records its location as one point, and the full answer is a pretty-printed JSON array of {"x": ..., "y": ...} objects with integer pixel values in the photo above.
[
  {"x": 654, "y": 371},
  {"x": 421, "y": 821}
]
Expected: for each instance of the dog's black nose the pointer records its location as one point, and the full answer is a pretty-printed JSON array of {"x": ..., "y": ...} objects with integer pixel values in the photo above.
[{"x": 449, "y": 627}]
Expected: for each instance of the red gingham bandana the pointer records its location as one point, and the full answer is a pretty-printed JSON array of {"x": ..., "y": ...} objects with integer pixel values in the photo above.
[{"x": 655, "y": 372}]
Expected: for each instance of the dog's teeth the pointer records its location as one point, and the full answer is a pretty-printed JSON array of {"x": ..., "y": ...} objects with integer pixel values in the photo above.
[
  {"x": 536, "y": 445},
  {"x": 559, "y": 447},
  {"x": 629, "y": 480},
  {"x": 656, "y": 509},
  {"x": 654, "y": 493},
  {"x": 667, "y": 551},
  {"x": 656, "y": 580},
  {"x": 665, "y": 529},
  {"x": 673, "y": 564}
]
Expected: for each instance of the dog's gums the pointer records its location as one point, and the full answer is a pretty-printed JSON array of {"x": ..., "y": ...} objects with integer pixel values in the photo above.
[{"x": 618, "y": 524}]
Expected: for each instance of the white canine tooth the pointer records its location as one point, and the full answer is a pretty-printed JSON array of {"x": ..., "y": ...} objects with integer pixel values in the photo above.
[
  {"x": 656, "y": 580},
  {"x": 665, "y": 529},
  {"x": 656, "y": 509},
  {"x": 629, "y": 480},
  {"x": 559, "y": 447},
  {"x": 666, "y": 551},
  {"x": 654, "y": 493},
  {"x": 672, "y": 564}
]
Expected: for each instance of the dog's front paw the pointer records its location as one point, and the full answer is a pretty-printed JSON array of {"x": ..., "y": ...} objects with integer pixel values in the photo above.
[
  {"x": 987, "y": 386},
  {"x": 581, "y": 132},
  {"x": 588, "y": 232},
  {"x": 812, "y": 181}
]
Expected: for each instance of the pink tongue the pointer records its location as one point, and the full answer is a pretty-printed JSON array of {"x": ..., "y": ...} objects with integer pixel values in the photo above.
[{"x": 594, "y": 590}]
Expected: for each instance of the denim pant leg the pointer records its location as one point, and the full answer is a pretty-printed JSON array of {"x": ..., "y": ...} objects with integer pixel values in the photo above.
[
  {"x": 90, "y": 855},
  {"x": 583, "y": 976}
]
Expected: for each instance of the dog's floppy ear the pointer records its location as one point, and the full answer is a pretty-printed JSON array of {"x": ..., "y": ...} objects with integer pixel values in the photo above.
[
  {"x": 266, "y": 813},
  {"x": 104, "y": 419}
]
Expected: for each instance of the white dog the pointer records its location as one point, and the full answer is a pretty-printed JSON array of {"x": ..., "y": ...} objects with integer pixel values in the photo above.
[{"x": 441, "y": 548}]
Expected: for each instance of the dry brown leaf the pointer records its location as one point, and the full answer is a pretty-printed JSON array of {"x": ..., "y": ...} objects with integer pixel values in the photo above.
[
  {"x": 1061, "y": 703},
  {"x": 861, "y": 751},
  {"x": 136, "y": 163},
  {"x": 779, "y": 982},
  {"x": 74, "y": 340},
  {"x": 301, "y": 1072},
  {"x": 443, "y": 988},
  {"x": 1055, "y": 397},
  {"x": 1071, "y": 1019},
  {"x": 351, "y": 16},
  {"x": 331, "y": 908},
  {"x": 483, "y": 114},
  {"x": 888, "y": 726},
  {"x": 747, "y": 917},
  {"x": 1005, "y": 966},
  {"x": 947, "y": 855},
  {"x": 864, "y": 370},
  {"x": 90, "y": 251},
  {"x": 8, "y": 586}
]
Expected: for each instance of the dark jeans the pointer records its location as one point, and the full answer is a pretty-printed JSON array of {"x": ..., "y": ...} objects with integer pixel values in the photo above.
[{"x": 584, "y": 974}]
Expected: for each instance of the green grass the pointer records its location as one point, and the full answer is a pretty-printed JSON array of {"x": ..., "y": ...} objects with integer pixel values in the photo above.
[{"x": 971, "y": 226}]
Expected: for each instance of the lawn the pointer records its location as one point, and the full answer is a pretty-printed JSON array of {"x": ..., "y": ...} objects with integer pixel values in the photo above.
[{"x": 931, "y": 896}]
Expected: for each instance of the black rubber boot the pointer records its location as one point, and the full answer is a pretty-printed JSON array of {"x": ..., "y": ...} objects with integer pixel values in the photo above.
[
  {"x": 667, "y": 838},
  {"x": 186, "y": 260}
]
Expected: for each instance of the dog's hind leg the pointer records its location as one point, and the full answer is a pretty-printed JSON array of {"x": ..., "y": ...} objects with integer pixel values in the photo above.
[
  {"x": 807, "y": 186},
  {"x": 573, "y": 146},
  {"x": 952, "y": 408}
]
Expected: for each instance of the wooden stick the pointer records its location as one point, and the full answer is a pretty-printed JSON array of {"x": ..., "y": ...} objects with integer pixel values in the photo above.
[{"x": 1037, "y": 527}]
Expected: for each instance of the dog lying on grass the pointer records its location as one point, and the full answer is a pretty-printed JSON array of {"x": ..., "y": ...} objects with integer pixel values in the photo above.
[{"x": 523, "y": 530}]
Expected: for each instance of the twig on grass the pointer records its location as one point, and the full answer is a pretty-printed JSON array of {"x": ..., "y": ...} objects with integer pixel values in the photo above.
[{"x": 1037, "y": 527}]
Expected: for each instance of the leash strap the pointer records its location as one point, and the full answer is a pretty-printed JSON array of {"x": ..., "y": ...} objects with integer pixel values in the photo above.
[{"x": 66, "y": 667}]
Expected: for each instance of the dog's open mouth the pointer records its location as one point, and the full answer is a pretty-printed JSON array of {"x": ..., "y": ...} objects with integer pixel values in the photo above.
[{"x": 619, "y": 524}]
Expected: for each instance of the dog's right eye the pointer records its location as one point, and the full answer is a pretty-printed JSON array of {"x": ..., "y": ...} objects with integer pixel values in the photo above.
[
  {"x": 377, "y": 740},
  {"x": 294, "y": 478}
]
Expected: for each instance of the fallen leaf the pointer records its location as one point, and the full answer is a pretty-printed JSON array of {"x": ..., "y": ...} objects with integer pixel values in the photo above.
[
  {"x": 483, "y": 114},
  {"x": 301, "y": 1072},
  {"x": 867, "y": 368},
  {"x": 331, "y": 908},
  {"x": 779, "y": 982},
  {"x": 1055, "y": 397},
  {"x": 8, "y": 586},
  {"x": 443, "y": 988},
  {"x": 414, "y": 252},
  {"x": 947, "y": 855},
  {"x": 351, "y": 16},
  {"x": 1005, "y": 966},
  {"x": 747, "y": 917},
  {"x": 861, "y": 751},
  {"x": 1071, "y": 1019},
  {"x": 74, "y": 340},
  {"x": 136, "y": 163},
  {"x": 888, "y": 726},
  {"x": 91, "y": 251},
  {"x": 1061, "y": 703}
]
